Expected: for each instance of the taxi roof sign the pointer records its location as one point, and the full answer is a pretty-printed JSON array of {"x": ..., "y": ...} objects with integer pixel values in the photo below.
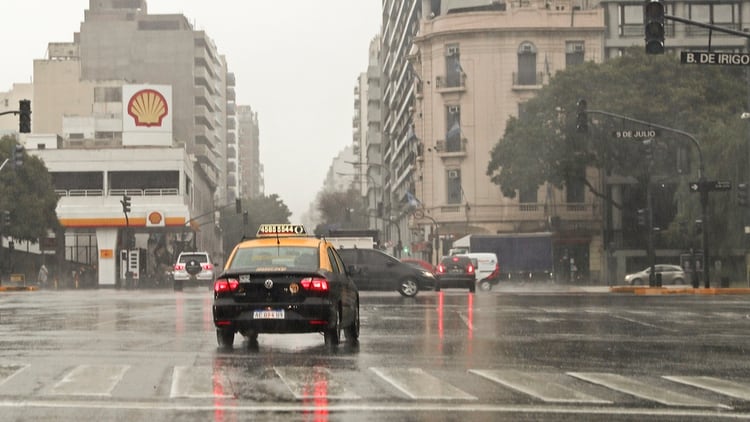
[{"x": 267, "y": 230}]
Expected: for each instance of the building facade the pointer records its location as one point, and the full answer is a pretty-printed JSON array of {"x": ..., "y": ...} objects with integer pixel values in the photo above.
[
  {"x": 248, "y": 146},
  {"x": 81, "y": 107}
]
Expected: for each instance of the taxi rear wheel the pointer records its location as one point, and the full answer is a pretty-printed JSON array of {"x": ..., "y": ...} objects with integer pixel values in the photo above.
[
  {"x": 408, "y": 287},
  {"x": 332, "y": 335},
  {"x": 352, "y": 331},
  {"x": 225, "y": 337}
]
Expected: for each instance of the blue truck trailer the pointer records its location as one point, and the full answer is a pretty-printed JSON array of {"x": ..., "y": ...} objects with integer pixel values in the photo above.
[{"x": 522, "y": 256}]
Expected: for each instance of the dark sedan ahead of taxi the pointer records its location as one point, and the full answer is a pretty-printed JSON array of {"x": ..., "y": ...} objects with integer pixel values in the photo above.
[
  {"x": 285, "y": 282},
  {"x": 456, "y": 271}
]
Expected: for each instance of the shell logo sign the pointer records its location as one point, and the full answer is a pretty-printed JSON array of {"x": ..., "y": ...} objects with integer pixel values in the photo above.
[
  {"x": 148, "y": 107},
  {"x": 147, "y": 115},
  {"x": 155, "y": 219}
]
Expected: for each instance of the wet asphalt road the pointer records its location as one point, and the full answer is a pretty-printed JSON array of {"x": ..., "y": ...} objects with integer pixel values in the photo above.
[{"x": 520, "y": 352}]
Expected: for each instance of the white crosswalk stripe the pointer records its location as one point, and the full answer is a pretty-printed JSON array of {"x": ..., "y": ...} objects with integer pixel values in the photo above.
[
  {"x": 321, "y": 382},
  {"x": 538, "y": 385},
  {"x": 643, "y": 390},
  {"x": 90, "y": 380},
  {"x": 9, "y": 371},
  {"x": 419, "y": 385},
  {"x": 200, "y": 382},
  {"x": 313, "y": 382},
  {"x": 720, "y": 386}
]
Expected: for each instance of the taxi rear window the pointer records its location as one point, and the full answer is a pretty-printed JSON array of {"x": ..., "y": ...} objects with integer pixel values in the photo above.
[{"x": 276, "y": 257}]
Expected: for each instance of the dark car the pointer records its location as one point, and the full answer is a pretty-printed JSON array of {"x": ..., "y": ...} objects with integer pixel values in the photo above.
[
  {"x": 419, "y": 263},
  {"x": 285, "y": 282},
  {"x": 373, "y": 269},
  {"x": 456, "y": 271}
]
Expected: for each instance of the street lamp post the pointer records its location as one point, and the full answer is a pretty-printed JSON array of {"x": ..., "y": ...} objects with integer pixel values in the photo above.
[
  {"x": 436, "y": 249},
  {"x": 703, "y": 186}
]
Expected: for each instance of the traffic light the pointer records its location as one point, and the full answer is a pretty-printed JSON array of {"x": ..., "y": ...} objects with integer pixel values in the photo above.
[
  {"x": 582, "y": 122},
  {"x": 742, "y": 196},
  {"x": 6, "y": 218},
  {"x": 18, "y": 155},
  {"x": 641, "y": 217},
  {"x": 653, "y": 18},
  {"x": 24, "y": 116},
  {"x": 125, "y": 204}
]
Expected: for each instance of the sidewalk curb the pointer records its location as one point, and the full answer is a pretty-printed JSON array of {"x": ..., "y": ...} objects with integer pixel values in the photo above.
[
  {"x": 641, "y": 290},
  {"x": 18, "y": 288}
]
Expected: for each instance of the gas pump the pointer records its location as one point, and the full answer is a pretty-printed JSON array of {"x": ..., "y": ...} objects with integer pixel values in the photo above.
[{"x": 130, "y": 267}]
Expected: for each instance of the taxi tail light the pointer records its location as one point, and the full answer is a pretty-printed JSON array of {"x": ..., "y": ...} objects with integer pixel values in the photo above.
[
  {"x": 314, "y": 284},
  {"x": 441, "y": 269},
  {"x": 225, "y": 285},
  {"x": 470, "y": 269}
]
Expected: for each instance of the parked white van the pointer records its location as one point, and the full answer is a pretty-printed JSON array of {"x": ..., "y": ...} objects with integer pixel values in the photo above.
[{"x": 487, "y": 269}]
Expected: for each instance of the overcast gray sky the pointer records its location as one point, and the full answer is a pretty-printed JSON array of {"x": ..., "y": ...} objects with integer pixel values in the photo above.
[{"x": 295, "y": 61}]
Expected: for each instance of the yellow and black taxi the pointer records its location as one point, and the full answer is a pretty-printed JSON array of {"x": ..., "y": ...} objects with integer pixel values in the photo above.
[{"x": 284, "y": 281}]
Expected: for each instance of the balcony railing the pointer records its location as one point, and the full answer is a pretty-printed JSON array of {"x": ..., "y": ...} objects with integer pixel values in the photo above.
[
  {"x": 445, "y": 84},
  {"x": 452, "y": 146},
  {"x": 528, "y": 80},
  {"x": 80, "y": 193}
]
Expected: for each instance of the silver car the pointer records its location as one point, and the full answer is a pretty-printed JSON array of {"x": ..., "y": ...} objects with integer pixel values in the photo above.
[
  {"x": 670, "y": 274},
  {"x": 193, "y": 267}
]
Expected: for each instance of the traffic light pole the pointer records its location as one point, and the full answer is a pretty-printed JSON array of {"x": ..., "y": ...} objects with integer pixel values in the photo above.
[{"x": 704, "y": 189}]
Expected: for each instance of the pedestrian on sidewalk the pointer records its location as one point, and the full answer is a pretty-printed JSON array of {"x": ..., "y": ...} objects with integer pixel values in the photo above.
[{"x": 42, "y": 276}]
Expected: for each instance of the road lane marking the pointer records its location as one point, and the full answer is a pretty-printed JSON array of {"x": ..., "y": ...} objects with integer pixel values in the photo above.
[
  {"x": 642, "y": 390},
  {"x": 538, "y": 386},
  {"x": 419, "y": 385},
  {"x": 384, "y": 410},
  {"x": 200, "y": 382},
  {"x": 9, "y": 371},
  {"x": 315, "y": 382},
  {"x": 90, "y": 380},
  {"x": 724, "y": 387}
]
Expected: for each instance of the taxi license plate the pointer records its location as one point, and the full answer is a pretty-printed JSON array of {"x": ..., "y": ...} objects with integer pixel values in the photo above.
[
  {"x": 457, "y": 270},
  {"x": 269, "y": 314}
]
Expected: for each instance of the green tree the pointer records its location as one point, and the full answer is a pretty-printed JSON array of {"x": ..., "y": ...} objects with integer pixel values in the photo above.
[
  {"x": 706, "y": 101},
  {"x": 341, "y": 210},
  {"x": 27, "y": 192},
  {"x": 260, "y": 210}
]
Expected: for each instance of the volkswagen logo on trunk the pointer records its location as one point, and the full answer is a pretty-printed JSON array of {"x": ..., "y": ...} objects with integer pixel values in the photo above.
[{"x": 268, "y": 283}]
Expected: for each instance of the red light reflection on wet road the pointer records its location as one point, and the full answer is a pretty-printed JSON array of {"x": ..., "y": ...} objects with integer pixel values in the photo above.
[
  {"x": 316, "y": 394},
  {"x": 220, "y": 396}
]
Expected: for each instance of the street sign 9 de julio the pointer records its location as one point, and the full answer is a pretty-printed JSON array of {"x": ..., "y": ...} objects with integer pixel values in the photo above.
[{"x": 635, "y": 134}]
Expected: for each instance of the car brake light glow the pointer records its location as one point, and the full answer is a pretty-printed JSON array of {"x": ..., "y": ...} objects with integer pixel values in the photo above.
[
  {"x": 441, "y": 268},
  {"x": 226, "y": 285},
  {"x": 470, "y": 269},
  {"x": 207, "y": 266},
  {"x": 179, "y": 267},
  {"x": 315, "y": 284}
]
